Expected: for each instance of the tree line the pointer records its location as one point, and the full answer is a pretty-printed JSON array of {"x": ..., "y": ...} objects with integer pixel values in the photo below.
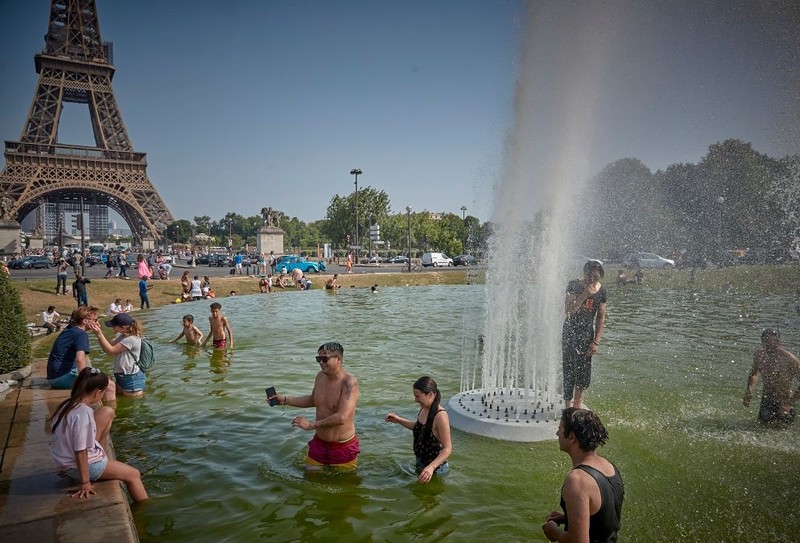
[
  {"x": 426, "y": 231},
  {"x": 735, "y": 200}
]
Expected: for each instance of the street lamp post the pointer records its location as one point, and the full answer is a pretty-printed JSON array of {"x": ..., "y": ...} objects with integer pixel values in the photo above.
[
  {"x": 356, "y": 172},
  {"x": 464, "y": 223},
  {"x": 720, "y": 200},
  {"x": 408, "y": 212}
]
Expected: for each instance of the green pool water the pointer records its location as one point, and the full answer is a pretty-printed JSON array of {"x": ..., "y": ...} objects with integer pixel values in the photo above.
[{"x": 222, "y": 466}]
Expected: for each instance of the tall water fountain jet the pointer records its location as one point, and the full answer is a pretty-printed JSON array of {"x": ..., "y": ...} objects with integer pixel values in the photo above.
[{"x": 548, "y": 152}]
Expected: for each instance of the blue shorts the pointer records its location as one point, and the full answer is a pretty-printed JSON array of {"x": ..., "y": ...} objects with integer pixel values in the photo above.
[
  {"x": 441, "y": 470},
  {"x": 96, "y": 469},
  {"x": 133, "y": 382},
  {"x": 65, "y": 381}
]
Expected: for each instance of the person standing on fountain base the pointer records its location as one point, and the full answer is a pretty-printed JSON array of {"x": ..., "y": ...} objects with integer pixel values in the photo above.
[
  {"x": 334, "y": 396},
  {"x": 779, "y": 368},
  {"x": 592, "y": 494},
  {"x": 585, "y": 306}
]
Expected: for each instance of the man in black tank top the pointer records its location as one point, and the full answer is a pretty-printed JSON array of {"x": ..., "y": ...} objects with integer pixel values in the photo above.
[{"x": 593, "y": 480}]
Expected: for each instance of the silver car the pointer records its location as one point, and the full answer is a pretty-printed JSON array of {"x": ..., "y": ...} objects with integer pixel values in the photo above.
[{"x": 647, "y": 260}]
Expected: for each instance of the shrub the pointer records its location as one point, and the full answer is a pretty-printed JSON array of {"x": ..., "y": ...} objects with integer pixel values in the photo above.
[{"x": 15, "y": 342}]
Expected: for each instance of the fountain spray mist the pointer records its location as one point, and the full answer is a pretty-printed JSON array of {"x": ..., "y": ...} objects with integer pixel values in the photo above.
[{"x": 538, "y": 202}]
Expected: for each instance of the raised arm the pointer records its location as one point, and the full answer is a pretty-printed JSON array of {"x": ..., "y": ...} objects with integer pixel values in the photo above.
[
  {"x": 108, "y": 347},
  {"x": 397, "y": 419}
]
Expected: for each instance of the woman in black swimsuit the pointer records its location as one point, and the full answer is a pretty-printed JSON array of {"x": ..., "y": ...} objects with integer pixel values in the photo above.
[{"x": 432, "y": 445}]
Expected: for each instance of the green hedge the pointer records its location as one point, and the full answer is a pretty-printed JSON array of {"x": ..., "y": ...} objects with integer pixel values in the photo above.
[{"x": 15, "y": 341}]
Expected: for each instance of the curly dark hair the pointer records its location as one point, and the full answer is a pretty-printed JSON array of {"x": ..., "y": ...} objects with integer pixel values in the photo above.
[{"x": 585, "y": 425}]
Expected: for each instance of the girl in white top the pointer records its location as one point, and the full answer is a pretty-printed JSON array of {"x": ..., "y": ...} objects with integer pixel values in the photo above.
[
  {"x": 80, "y": 434},
  {"x": 126, "y": 348}
]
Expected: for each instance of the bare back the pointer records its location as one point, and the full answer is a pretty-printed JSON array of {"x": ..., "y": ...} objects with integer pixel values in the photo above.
[{"x": 778, "y": 369}]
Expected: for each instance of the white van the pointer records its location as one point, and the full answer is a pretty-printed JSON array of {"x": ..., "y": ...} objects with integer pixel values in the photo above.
[{"x": 436, "y": 259}]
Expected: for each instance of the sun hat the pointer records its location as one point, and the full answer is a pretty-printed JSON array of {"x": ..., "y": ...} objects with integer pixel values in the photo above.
[{"x": 120, "y": 319}]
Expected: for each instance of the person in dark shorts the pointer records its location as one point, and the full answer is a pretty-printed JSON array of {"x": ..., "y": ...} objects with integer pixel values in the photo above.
[
  {"x": 779, "y": 368},
  {"x": 593, "y": 491},
  {"x": 585, "y": 306}
]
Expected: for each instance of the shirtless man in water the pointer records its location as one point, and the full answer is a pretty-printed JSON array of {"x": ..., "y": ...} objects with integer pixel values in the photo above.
[
  {"x": 335, "y": 395},
  {"x": 779, "y": 368}
]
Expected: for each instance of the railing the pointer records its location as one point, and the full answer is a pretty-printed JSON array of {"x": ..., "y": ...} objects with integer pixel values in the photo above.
[{"x": 74, "y": 151}]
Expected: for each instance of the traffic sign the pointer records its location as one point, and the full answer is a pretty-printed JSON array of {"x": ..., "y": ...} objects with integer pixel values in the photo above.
[{"x": 354, "y": 247}]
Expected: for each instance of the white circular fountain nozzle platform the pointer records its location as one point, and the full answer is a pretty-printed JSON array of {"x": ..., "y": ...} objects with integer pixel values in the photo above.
[{"x": 506, "y": 414}]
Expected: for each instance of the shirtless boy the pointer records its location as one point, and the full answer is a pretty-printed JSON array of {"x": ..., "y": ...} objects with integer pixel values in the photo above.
[
  {"x": 779, "y": 369},
  {"x": 335, "y": 395},
  {"x": 220, "y": 329},
  {"x": 190, "y": 331}
]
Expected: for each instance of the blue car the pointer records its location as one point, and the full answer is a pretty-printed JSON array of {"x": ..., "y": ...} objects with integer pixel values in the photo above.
[{"x": 287, "y": 263}]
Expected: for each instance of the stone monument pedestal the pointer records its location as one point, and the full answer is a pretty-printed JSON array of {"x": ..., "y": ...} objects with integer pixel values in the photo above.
[
  {"x": 35, "y": 242},
  {"x": 270, "y": 239},
  {"x": 9, "y": 237}
]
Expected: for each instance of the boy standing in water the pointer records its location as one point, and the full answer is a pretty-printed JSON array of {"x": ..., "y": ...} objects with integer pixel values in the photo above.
[
  {"x": 191, "y": 332},
  {"x": 220, "y": 328}
]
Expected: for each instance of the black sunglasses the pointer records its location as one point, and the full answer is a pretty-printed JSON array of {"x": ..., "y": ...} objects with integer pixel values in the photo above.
[{"x": 324, "y": 357}]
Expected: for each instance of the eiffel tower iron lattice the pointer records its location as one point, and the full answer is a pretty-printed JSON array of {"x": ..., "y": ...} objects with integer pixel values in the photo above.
[{"x": 76, "y": 67}]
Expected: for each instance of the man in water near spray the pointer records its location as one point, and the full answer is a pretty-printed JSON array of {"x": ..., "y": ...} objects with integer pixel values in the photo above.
[{"x": 779, "y": 369}]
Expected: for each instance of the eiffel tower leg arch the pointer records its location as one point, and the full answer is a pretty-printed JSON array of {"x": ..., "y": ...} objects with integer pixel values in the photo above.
[
  {"x": 76, "y": 66},
  {"x": 129, "y": 193}
]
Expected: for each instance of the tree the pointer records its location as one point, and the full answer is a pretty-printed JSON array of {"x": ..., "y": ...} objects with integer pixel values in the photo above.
[
  {"x": 784, "y": 195},
  {"x": 15, "y": 342},
  {"x": 341, "y": 215}
]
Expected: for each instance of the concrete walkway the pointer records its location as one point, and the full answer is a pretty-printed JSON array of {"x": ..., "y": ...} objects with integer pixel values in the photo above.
[{"x": 35, "y": 503}]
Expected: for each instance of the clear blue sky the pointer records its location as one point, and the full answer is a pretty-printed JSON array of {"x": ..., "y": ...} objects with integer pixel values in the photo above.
[{"x": 247, "y": 104}]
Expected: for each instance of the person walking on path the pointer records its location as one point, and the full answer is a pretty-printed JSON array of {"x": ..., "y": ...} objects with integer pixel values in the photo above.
[
  {"x": 80, "y": 436},
  {"x": 593, "y": 491},
  {"x": 142, "y": 268},
  {"x": 585, "y": 306},
  {"x": 143, "y": 297},
  {"x": 109, "y": 265},
  {"x": 334, "y": 396},
  {"x": 79, "y": 290},
  {"x": 779, "y": 368},
  {"x": 61, "y": 277},
  {"x": 123, "y": 266},
  {"x": 431, "y": 429}
]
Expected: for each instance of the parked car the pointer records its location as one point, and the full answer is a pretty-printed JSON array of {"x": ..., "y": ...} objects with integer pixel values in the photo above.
[
  {"x": 287, "y": 263},
  {"x": 222, "y": 260},
  {"x": 465, "y": 260},
  {"x": 374, "y": 260},
  {"x": 399, "y": 259},
  {"x": 204, "y": 259},
  {"x": 30, "y": 262},
  {"x": 646, "y": 260},
  {"x": 436, "y": 259}
]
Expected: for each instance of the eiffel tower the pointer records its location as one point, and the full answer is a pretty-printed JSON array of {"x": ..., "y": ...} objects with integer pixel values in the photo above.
[{"x": 76, "y": 67}]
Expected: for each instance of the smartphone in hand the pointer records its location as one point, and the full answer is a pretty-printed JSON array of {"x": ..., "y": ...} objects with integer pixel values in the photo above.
[{"x": 272, "y": 396}]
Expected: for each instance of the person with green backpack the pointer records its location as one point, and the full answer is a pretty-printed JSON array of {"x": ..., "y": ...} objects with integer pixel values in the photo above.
[{"x": 132, "y": 353}]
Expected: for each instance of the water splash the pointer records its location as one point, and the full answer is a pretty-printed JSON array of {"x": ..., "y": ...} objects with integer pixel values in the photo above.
[{"x": 537, "y": 206}]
